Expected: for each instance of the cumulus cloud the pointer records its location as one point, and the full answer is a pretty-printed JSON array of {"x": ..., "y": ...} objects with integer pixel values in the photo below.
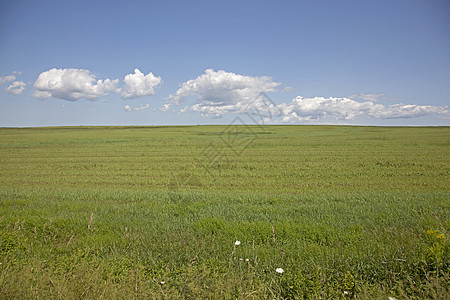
[
  {"x": 317, "y": 108},
  {"x": 7, "y": 78},
  {"x": 261, "y": 107},
  {"x": 219, "y": 92},
  {"x": 165, "y": 107},
  {"x": 72, "y": 84},
  {"x": 16, "y": 88},
  {"x": 300, "y": 108},
  {"x": 314, "y": 109},
  {"x": 140, "y": 107},
  {"x": 138, "y": 85}
]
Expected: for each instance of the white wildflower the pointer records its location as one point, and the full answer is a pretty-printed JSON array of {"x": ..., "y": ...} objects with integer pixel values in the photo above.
[
  {"x": 237, "y": 243},
  {"x": 280, "y": 270}
]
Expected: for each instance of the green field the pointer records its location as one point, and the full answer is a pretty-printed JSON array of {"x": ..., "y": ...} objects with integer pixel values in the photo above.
[{"x": 154, "y": 212}]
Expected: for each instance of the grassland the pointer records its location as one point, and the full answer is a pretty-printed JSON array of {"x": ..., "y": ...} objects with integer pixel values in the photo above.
[{"x": 154, "y": 212}]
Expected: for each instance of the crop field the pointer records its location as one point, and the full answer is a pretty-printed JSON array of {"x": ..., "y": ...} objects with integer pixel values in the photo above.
[{"x": 225, "y": 212}]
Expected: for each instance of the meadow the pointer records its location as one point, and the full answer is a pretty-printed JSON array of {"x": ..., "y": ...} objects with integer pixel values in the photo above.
[{"x": 224, "y": 212}]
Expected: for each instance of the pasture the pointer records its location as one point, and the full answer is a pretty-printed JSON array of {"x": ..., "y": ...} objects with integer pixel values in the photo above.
[{"x": 213, "y": 211}]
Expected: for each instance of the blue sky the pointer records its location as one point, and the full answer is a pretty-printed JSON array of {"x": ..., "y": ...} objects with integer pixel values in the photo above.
[{"x": 206, "y": 62}]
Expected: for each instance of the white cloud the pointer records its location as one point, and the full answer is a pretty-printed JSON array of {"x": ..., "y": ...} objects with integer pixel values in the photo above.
[
  {"x": 166, "y": 107},
  {"x": 140, "y": 107},
  {"x": 138, "y": 85},
  {"x": 218, "y": 93},
  {"x": 72, "y": 84},
  {"x": 221, "y": 92},
  {"x": 16, "y": 88},
  {"x": 317, "y": 108},
  {"x": 300, "y": 109},
  {"x": 369, "y": 97},
  {"x": 261, "y": 105},
  {"x": 7, "y": 78},
  {"x": 408, "y": 111}
]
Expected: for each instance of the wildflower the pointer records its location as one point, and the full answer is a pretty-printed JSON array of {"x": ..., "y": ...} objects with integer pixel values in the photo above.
[
  {"x": 163, "y": 282},
  {"x": 237, "y": 243},
  {"x": 241, "y": 259},
  {"x": 392, "y": 298},
  {"x": 345, "y": 293},
  {"x": 280, "y": 270},
  {"x": 247, "y": 259}
]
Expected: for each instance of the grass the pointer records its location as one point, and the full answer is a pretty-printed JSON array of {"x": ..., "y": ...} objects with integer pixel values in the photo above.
[{"x": 154, "y": 212}]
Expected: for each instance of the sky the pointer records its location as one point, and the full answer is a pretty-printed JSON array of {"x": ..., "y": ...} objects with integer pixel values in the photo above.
[{"x": 71, "y": 63}]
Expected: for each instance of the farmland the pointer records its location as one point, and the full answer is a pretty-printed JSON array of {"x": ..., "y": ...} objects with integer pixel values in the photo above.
[{"x": 120, "y": 212}]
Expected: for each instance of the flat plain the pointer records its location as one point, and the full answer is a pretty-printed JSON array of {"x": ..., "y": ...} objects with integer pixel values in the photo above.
[{"x": 224, "y": 212}]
